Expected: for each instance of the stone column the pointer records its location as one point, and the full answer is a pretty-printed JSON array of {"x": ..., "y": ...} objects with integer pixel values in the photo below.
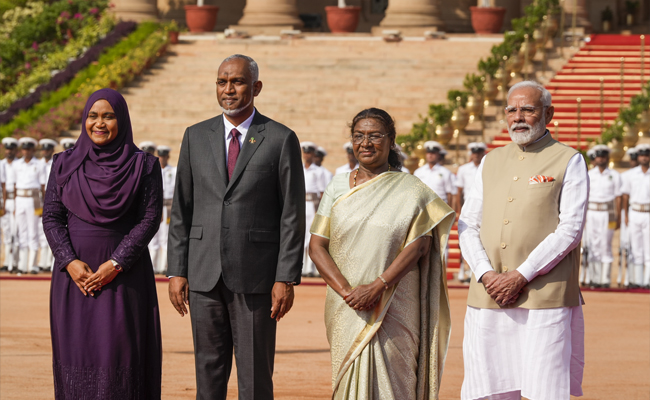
[
  {"x": 582, "y": 20},
  {"x": 135, "y": 10},
  {"x": 269, "y": 16},
  {"x": 412, "y": 17}
]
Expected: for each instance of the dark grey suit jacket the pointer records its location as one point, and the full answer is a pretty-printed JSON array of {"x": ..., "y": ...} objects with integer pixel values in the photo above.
[{"x": 251, "y": 229}]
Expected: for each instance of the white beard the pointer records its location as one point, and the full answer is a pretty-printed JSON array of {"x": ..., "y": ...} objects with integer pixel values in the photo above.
[
  {"x": 236, "y": 111},
  {"x": 524, "y": 138}
]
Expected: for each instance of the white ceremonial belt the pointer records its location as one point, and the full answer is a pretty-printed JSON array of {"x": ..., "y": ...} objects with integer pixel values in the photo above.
[
  {"x": 311, "y": 197},
  {"x": 641, "y": 207},
  {"x": 27, "y": 192},
  {"x": 598, "y": 206}
]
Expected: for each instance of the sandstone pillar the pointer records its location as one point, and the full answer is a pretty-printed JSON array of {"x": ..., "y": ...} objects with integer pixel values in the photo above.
[
  {"x": 412, "y": 16},
  {"x": 269, "y": 16},
  {"x": 135, "y": 10},
  {"x": 582, "y": 20}
]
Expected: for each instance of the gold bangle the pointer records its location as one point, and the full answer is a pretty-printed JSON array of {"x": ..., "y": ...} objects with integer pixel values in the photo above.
[{"x": 383, "y": 280}]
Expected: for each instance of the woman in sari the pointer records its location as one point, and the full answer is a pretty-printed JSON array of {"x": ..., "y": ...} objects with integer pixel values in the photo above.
[
  {"x": 377, "y": 240},
  {"x": 103, "y": 205}
]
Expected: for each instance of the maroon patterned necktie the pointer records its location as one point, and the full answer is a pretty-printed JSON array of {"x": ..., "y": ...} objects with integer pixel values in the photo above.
[{"x": 233, "y": 151}]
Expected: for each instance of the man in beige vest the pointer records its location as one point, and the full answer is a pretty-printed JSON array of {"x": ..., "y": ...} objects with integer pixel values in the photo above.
[{"x": 520, "y": 230}]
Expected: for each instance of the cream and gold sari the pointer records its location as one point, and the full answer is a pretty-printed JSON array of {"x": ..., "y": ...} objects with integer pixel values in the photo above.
[{"x": 397, "y": 350}]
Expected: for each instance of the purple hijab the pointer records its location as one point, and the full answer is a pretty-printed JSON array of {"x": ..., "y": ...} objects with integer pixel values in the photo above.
[{"x": 99, "y": 183}]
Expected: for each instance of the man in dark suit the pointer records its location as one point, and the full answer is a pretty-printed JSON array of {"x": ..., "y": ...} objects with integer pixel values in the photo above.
[{"x": 236, "y": 235}]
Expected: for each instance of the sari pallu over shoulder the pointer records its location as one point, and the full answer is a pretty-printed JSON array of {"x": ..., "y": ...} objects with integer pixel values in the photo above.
[{"x": 368, "y": 227}]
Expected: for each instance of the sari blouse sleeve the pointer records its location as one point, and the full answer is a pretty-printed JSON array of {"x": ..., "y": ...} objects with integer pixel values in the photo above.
[{"x": 321, "y": 225}]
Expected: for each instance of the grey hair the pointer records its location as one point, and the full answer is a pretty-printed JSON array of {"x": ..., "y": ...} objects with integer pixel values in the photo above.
[
  {"x": 546, "y": 95},
  {"x": 252, "y": 65}
]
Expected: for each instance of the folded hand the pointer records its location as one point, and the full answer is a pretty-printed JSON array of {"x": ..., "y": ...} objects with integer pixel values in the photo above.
[
  {"x": 79, "y": 272},
  {"x": 364, "y": 297},
  {"x": 104, "y": 275},
  {"x": 504, "y": 288}
]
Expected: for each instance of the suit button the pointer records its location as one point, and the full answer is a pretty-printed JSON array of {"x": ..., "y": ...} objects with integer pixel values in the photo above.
[
  {"x": 516, "y": 178},
  {"x": 226, "y": 203},
  {"x": 503, "y": 245},
  {"x": 505, "y": 222},
  {"x": 505, "y": 269},
  {"x": 510, "y": 199}
]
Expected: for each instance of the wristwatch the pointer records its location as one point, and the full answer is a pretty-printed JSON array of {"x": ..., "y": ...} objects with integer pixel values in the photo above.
[{"x": 117, "y": 266}]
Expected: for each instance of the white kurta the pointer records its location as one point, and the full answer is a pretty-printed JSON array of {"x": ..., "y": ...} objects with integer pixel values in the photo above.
[
  {"x": 537, "y": 352},
  {"x": 438, "y": 178}
]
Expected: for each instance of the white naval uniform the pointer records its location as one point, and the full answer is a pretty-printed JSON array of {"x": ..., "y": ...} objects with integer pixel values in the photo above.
[
  {"x": 46, "y": 260},
  {"x": 27, "y": 176},
  {"x": 8, "y": 220},
  {"x": 638, "y": 188},
  {"x": 624, "y": 238},
  {"x": 438, "y": 178},
  {"x": 465, "y": 177},
  {"x": 158, "y": 245},
  {"x": 345, "y": 168},
  {"x": 315, "y": 184},
  {"x": 603, "y": 188},
  {"x": 327, "y": 175},
  {"x": 517, "y": 351}
]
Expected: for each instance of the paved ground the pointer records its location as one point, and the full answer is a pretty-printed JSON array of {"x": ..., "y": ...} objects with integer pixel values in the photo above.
[{"x": 617, "y": 346}]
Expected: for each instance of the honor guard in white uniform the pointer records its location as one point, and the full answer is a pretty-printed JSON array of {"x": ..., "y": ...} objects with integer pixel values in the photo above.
[
  {"x": 8, "y": 220},
  {"x": 158, "y": 245},
  {"x": 319, "y": 156},
  {"x": 68, "y": 143},
  {"x": 636, "y": 201},
  {"x": 148, "y": 147},
  {"x": 624, "y": 251},
  {"x": 437, "y": 177},
  {"x": 315, "y": 184},
  {"x": 46, "y": 259},
  {"x": 464, "y": 183},
  {"x": 603, "y": 216},
  {"x": 29, "y": 178},
  {"x": 585, "y": 275},
  {"x": 352, "y": 163}
]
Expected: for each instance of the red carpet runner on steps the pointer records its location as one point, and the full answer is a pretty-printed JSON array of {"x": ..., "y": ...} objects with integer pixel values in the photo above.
[{"x": 580, "y": 78}]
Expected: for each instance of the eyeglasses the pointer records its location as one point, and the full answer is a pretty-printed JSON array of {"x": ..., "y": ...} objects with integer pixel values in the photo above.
[
  {"x": 374, "y": 138},
  {"x": 526, "y": 111}
]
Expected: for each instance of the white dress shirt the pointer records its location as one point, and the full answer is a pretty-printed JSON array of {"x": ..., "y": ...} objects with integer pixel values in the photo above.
[
  {"x": 29, "y": 175},
  {"x": 315, "y": 179},
  {"x": 465, "y": 177},
  {"x": 573, "y": 206},
  {"x": 438, "y": 178},
  {"x": 637, "y": 185},
  {"x": 169, "y": 180},
  {"x": 604, "y": 186},
  {"x": 345, "y": 168},
  {"x": 327, "y": 175},
  {"x": 242, "y": 128},
  {"x": 7, "y": 174},
  {"x": 47, "y": 165}
]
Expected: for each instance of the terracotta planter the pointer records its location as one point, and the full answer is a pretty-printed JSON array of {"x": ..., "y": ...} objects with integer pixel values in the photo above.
[
  {"x": 201, "y": 19},
  {"x": 173, "y": 37},
  {"x": 487, "y": 19},
  {"x": 342, "y": 19}
]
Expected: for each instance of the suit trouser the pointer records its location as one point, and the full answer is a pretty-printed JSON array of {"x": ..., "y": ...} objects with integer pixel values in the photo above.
[{"x": 222, "y": 320}]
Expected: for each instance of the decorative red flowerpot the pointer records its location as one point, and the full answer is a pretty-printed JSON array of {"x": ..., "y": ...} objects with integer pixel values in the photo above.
[
  {"x": 201, "y": 18},
  {"x": 173, "y": 37},
  {"x": 487, "y": 19},
  {"x": 342, "y": 19}
]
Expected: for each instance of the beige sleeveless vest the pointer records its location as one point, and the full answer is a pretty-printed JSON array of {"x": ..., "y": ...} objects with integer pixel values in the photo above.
[{"x": 518, "y": 216}]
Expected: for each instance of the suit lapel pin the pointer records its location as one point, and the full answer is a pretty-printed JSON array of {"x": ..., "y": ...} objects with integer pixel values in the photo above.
[{"x": 251, "y": 140}]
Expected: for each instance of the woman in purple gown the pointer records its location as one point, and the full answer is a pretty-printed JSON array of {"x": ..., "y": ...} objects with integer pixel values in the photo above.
[{"x": 103, "y": 205}]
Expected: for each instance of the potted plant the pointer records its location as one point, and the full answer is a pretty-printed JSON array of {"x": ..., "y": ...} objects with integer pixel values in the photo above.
[
  {"x": 607, "y": 17},
  {"x": 342, "y": 18},
  {"x": 201, "y": 17},
  {"x": 486, "y": 18},
  {"x": 630, "y": 8},
  {"x": 475, "y": 85},
  {"x": 440, "y": 115},
  {"x": 173, "y": 31}
]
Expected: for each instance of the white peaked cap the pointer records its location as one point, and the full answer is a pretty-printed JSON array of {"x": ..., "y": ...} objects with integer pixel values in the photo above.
[
  {"x": 147, "y": 143},
  {"x": 430, "y": 145},
  {"x": 443, "y": 152},
  {"x": 164, "y": 148},
  {"x": 600, "y": 147},
  {"x": 591, "y": 153},
  {"x": 321, "y": 150},
  {"x": 24, "y": 140},
  {"x": 347, "y": 146},
  {"x": 47, "y": 142},
  {"x": 65, "y": 142},
  {"x": 631, "y": 151},
  {"x": 476, "y": 145},
  {"x": 304, "y": 145},
  {"x": 8, "y": 141},
  {"x": 642, "y": 147}
]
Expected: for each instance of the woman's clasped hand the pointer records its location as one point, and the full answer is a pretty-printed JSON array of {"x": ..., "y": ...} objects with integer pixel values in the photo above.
[
  {"x": 364, "y": 297},
  {"x": 88, "y": 281}
]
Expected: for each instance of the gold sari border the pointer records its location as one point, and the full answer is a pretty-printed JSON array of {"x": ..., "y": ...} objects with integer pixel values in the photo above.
[
  {"x": 321, "y": 226},
  {"x": 433, "y": 214}
]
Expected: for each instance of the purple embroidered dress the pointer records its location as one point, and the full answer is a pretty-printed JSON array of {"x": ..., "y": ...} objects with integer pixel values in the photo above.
[{"x": 105, "y": 203}]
